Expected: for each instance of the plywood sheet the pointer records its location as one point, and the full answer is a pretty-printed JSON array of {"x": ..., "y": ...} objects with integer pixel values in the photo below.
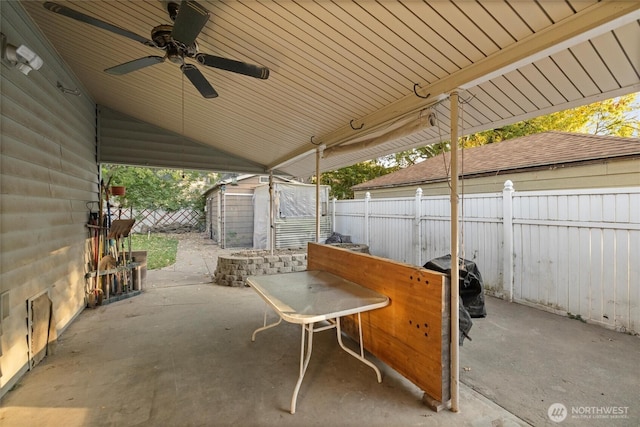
[
  {"x": 40, "y": 318},
  {"x": 411, "y": 334}
]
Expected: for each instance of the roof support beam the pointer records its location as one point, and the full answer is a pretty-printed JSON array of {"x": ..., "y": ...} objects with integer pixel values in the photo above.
[
  {"x": 455, "y": 273},
  {"x": 590, "y": 22}
]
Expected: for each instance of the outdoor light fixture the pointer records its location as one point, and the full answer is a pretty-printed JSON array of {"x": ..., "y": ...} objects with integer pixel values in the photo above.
[{"x": 21, "y": 57}]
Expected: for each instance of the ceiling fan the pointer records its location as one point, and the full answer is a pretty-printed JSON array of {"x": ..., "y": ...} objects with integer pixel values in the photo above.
[{"x": 177, "y": 40}]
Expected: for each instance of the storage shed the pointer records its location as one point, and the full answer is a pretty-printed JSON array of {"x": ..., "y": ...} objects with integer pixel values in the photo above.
[
  {"x": 237, "y": 212},
  {"x": 229, "y": 209},
  {"x": 544, "y": 161}
]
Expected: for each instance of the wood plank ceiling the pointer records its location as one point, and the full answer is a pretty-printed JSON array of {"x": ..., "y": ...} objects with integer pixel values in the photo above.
[{"x": 345, "y": 71}]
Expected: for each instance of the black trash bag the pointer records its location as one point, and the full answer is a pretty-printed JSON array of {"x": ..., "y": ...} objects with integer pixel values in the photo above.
[
  {"x": 465, "y": 323},
  {"x": 471, "y": 285},
  {"x": 338, "y": 238}
]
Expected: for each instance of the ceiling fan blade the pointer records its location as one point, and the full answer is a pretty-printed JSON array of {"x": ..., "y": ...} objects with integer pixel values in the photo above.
[
  {"x": 199, "y": 81},
  {"x": 78, "y": 16},
  {"x": 190, "y": 20},
  {"x": 134, "y": 65},
  {"x": 233, "y": 66}
]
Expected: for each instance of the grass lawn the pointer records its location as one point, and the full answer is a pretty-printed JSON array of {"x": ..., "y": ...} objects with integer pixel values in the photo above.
[{"x": 161, "y": 250}]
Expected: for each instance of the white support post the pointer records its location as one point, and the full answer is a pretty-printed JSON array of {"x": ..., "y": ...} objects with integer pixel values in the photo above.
[
  {"x": 367, "y": 199},
  {"x": 507, "y": 233},
  {"x": 219, "y": 219},
  {"x": 318, "y": 177},
  {"x": 455, "y": 274},
  {"x": 417, "y": 235},
  {"x": 223, "y": 218},
  {"x": 333, "y": 215},
  {"x": 271, "y": 238}
]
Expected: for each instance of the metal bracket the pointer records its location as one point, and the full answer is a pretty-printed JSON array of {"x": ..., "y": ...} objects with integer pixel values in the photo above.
[
  {"x": 74, "y": 92},
  {"x": 355, "y": 128},
  {"x": 416, "y": 92}
]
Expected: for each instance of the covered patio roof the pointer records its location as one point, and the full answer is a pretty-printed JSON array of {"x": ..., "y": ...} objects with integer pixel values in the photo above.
[{"x": 344, "y": 73}]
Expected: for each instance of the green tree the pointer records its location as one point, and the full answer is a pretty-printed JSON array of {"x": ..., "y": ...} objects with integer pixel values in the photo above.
[
  {"x": 342, "y": 180},
  {"x": 168, "y": 189},
  {"x": 609, "y": 117},
  {"x": 616, "y": 116}
]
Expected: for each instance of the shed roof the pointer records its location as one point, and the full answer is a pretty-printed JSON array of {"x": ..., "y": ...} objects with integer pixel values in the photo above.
[
  {"x": 547, "y": 149},
  {"x": 240, "y": 178}
]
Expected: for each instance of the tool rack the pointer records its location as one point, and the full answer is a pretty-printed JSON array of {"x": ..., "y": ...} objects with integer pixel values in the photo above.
[{"x": 114, "y": 275}]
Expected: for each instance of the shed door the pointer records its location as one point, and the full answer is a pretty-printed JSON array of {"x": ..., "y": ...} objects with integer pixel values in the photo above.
[{"x": 238, "y": 220}]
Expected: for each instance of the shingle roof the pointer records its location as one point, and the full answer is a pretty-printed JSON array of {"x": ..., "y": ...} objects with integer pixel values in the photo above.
[{"x": 533, "y": 151}]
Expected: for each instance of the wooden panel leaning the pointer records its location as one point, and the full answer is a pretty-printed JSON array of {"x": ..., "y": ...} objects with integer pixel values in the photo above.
[{"x": 411, "y": 334}]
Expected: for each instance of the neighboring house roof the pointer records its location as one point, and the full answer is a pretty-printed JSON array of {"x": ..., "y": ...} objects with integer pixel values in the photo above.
[{"x": 542, "y": 150}]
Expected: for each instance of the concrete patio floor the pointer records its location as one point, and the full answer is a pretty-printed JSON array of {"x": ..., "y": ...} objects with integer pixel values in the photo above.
[
  {"x": 525, "y": 360},
  {"x": 180, "y": 354}
]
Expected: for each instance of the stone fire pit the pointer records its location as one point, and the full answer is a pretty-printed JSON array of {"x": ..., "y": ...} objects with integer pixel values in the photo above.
[{"x": 233, "y": 269}]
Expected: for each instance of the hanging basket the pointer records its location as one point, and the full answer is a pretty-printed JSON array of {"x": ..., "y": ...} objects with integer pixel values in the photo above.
[{"x": 118, "y": 191}]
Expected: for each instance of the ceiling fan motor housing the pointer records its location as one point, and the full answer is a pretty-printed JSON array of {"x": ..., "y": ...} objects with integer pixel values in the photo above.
[{"x": 161, "y": 36}]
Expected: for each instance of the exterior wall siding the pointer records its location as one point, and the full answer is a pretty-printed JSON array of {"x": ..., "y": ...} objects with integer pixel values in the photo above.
[
  {"x": 572, "y": 252},
  {"x": 48, "y": 175}
]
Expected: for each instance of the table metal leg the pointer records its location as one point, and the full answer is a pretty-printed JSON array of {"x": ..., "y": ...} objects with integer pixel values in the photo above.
[
  {"x": 264, "y": 324},
  {"x": 304, "y": 362},
  {"x": 353, "y": 353},
  {"x": 305, "y": 356}
]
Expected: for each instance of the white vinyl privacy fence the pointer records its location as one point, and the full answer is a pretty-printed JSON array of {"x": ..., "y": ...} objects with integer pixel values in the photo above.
[{"x": 573, "y": 252}]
